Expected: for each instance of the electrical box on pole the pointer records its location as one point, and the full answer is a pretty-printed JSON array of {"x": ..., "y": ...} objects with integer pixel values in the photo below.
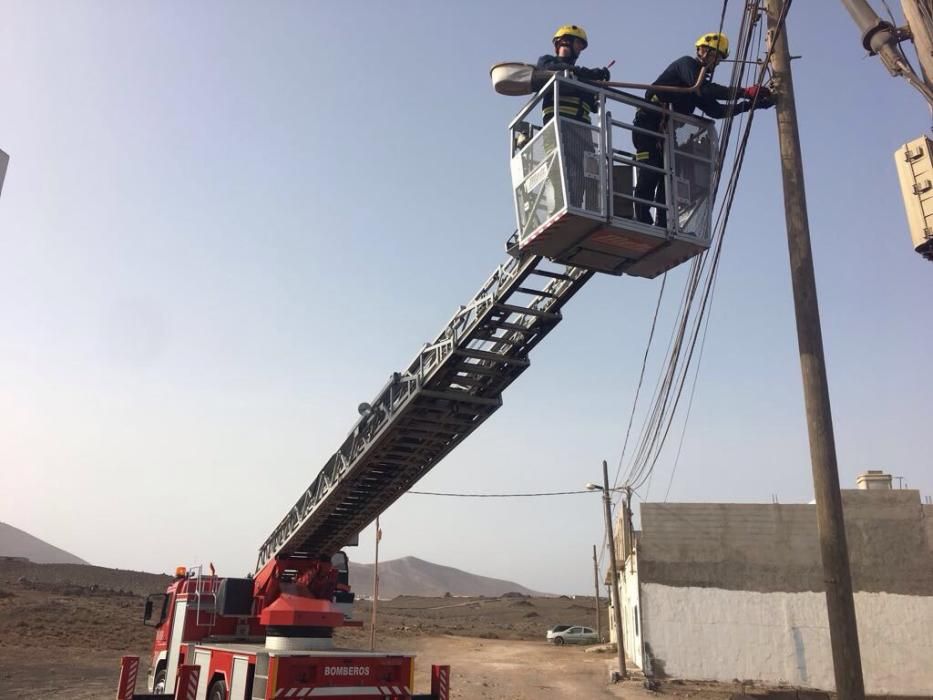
[
  {"x": 915, "y": 171},
  {"x": 883, "y": 39}
]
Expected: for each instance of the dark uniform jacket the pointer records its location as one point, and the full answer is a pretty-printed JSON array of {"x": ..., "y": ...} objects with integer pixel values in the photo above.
[
  {"x": 576, "y": 104},
  {"x": 684, "y": 73}
]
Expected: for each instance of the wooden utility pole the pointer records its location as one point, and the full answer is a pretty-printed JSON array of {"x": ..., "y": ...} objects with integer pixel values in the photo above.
[
  {"x": 840, "y": 604},
  {"x": 616, "y": 605},
  {"x": 920, "y": 35},
  {"x": 599, "y": 629},
  {"x": 372, "y": 624}
]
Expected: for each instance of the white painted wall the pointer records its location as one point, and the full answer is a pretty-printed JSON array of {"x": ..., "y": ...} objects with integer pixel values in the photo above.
[
  {"x": 631, "y": 606},
  {"x": 715, "y": 634}
]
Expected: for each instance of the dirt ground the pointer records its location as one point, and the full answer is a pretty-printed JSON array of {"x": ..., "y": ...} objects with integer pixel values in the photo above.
[
  {"x": 63, "y": 629},
  {"x": 480, "y": 669}
]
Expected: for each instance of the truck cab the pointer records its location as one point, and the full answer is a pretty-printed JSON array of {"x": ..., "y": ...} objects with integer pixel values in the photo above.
[{"x": 196, "y": 608}]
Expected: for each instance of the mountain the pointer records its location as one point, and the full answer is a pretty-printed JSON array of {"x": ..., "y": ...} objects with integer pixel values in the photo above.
[
  {"x": 16, "y": 543},
  {"x": 413, "y": 576}
]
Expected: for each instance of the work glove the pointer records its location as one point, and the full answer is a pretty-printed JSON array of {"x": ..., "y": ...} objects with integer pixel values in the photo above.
[
  {"x": 591, "y": 73},
  {"x": 764, "y": 102},
  {"x": 601, "y": 74},
  {"x": 759, "y": 91}
]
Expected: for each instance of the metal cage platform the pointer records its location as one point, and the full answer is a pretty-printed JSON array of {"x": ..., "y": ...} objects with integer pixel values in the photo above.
[{"x": 574, "y": 185}]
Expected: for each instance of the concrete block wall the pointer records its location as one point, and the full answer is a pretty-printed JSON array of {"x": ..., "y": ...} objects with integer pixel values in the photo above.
[{"x": 775, "y": 547}]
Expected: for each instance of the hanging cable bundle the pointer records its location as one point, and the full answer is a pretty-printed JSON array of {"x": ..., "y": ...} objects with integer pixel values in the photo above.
[{"x": 693, "y": 317}]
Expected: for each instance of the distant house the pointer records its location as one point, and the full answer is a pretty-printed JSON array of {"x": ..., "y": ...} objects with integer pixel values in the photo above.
[{"x": 720, "y": 591}]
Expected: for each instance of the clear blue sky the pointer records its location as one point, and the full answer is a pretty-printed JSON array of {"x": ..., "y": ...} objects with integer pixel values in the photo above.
[{"x": 225, "y": 224}]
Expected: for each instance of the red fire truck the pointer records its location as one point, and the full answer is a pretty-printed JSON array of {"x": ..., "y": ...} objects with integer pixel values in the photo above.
[
  {"x": 243, "y": 647},
  {"x": 270, "y": 635}
]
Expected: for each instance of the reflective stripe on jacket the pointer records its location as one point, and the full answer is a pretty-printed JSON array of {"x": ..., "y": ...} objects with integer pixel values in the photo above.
[{"x": 575, "y": 104}]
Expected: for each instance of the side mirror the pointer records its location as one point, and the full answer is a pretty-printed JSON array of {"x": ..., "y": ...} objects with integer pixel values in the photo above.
[{"x": 154, "y": 612}]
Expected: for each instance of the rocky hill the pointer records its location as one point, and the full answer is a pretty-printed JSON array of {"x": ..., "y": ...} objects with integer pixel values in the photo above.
[
  {"x": 416, "y": 577},
  {"x": 21, "y": 545}
]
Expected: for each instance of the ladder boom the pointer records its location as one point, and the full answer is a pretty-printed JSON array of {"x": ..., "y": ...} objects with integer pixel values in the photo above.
[{"x": 453, "y": 384}]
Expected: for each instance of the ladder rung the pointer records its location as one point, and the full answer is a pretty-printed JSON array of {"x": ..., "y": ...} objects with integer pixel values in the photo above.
[
  {"x": 475, "y": 381},
  {"x": 395, "y": 453},
  {"x": 511, "y": 308},
  {"x": 445, "y": 423},
  {"x": 412, "y": 429},
  {"x": 538, "y": 292},
  {"x": 412, "y": 441},
  {"x": 552, "y": 275},
  {"x": 495, "y": 339},
  {"x": 462, "y": 397},
  {"x": 505, "y": 325},
  {"x": 492, "y": 357},
  {"x": 479, "y": 369},
  {"x": 484, "y": 371},
  {"x": 394, "y": 462}
]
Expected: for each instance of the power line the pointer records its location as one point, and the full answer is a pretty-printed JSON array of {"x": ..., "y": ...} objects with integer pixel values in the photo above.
[
  {"x": 641, "y": 377},
  {"x": 691, "y": 327},
  {"x": 703, "y": 274},
  {"x": 499, "y": 495}
]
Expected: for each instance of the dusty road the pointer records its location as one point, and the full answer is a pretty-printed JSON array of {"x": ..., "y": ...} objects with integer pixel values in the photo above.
[
  {"x": 511, "y": 670},
  {"x": 514, "y": 670},
  {"x": 64, "y": 628}
]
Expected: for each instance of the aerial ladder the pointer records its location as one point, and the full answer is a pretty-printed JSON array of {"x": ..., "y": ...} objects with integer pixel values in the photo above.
[{"x": 270, "y": 635}]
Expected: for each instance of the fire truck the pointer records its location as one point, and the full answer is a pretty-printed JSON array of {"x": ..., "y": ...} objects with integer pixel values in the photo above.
[{"x": 270, "y": 635}]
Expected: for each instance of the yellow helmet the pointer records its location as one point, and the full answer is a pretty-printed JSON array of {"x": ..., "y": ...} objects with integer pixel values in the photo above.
[
  {"x": 571, "y": 30},
  {"x": 717, "y": 41}
]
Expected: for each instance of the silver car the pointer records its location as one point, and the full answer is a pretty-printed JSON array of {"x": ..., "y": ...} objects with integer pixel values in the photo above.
[{"x": 566, "y": 634}]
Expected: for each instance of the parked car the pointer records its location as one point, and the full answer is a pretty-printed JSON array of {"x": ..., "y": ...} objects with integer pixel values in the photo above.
[{"x": 568, "y": 634}]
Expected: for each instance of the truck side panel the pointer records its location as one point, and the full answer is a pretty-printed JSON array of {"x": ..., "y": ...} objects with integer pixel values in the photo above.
[{"x": 176, "y": 635}]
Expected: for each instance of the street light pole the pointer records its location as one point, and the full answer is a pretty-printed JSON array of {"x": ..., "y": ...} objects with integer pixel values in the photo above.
[{"x": 616, "y": 606}]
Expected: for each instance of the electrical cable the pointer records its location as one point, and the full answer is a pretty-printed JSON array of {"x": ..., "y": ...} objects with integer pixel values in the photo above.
[
  {"x": 689, "y": 327},
  {"x": 500, "y": 495},
  {"x": 641, "y": 376},
  {"x": 704, "y": 270}
]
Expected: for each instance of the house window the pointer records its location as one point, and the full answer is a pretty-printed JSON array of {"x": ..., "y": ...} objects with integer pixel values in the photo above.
[{"x": 636, "y": 620}]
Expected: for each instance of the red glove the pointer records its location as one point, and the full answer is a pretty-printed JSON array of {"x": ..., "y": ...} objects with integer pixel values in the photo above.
[{"x": 755, "y": 91}]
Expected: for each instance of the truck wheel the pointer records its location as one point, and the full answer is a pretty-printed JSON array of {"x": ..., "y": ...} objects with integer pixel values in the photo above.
[
  {"x": 158, "y": 683},
  {"x": 218, "y": 691},
  {"x": 558, "y": 640}
]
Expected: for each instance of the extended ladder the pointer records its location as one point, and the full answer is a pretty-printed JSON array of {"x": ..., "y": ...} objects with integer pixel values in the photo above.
[{"x": 452, "y": 386}]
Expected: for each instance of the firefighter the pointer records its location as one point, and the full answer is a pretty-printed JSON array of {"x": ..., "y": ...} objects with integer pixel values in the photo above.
[
  {"x": 569, "y": 41},
  {"x": 684, "y": 72}
]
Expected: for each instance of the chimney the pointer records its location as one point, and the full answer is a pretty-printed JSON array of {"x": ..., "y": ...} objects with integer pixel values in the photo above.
[{"x": 873, "y": 480}]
